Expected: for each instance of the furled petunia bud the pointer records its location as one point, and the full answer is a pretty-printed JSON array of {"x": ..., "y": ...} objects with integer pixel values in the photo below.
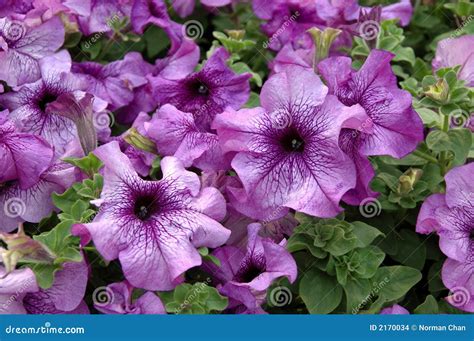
[
  {"x": 438, "y": 91},
  {"x": 21, "y": 247},
  {"x": 139, "y": 141},
  {"x": 323, "y": 41},
  {"x": 408, "y": 180}
]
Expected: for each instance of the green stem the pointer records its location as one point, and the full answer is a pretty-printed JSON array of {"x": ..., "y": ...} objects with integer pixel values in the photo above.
[
  {"x": 425, "y": 156},
  {"x": 107, "y": 47},
  {"x": 444, "y": 155}
]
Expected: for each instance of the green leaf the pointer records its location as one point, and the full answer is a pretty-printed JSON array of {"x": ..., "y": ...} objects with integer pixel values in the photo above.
[
  {"x": 358, "y": 294},
  {"x": 320, "y": 293},
  {"x": 411, "y": 250},
  {"x": 429, "y": 117},
  {"x": 44, "y": 274},
  {"x": 89, "y": 164},
  {"x": 365, "y": 233},
  {"x": 460, "y": 143},
  {"x": 429, "y": 306},
  {"x": 241, "y": 68},
  {"x": 399, "y": 280},
  {"x": 199, "y": 298},
  {"x": 405, "y": 54}
]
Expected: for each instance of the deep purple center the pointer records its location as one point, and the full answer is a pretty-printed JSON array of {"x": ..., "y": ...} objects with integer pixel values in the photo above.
[
  {"x": 145, "y": 207},
  {"x": 291, "y": 141},
  {"x": 250, "y": 270},
  {"x": 45, "y": 100},
  {"x": 198, "y": 88}
]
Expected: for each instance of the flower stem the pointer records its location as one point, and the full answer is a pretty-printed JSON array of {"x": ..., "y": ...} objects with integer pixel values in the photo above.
[{"x": 425, "y": 156}]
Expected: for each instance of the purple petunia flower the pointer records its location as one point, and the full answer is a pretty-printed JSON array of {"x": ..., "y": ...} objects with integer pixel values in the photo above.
[
  {"x": 19, "y": 293},
  {"x": 119, "y": 300},
  {"x": 140, "y": 159},
  {"x": 145, "y": 12},
  {"x": 100, "y": 15},
  {"x": 245, "y": 276},
  {"x": 451, "y": 216},
  {"x": 8, "y": 7},
  {"x": 287, "y": 151},
  {"x": 457, "y": 51},
  {"x": 33, "y": 203},
  {"x": 175, "y": 133},
  {"x": 21, "y": 48},
  {"x": 176, "y": 65},
  {"x": 114, "y": 82},
  {"x": 154, "y": 227},
  {"x": 13, "y": 288},
  {"x": 290, "y": 22},
  {"x": 23, "y": 157},
  {"x": 277, "y": 227},
  {"x": 207, "y": 92},
  {"x": 392, "y": 127},
  {"x": 394, "y": 310},
  {"x": 33, "y": 106}
]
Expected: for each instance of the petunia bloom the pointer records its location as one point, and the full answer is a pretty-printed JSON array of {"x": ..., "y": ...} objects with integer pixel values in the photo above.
[
  {"x": 245, "y": 276},
  {"x": 207, "y": 92},
  {"x": 23, "y": 157},
  {"x": 452, "y": 52},
  {"x": 22, "y": 47},
  {"x": 287, "y": 153},
  {"x": 117, "y": 299},
  {"x": 451, "y": 216},
  {"x": 394, "y": 310},
  {"x": 19, "y": 293},
  {"x": 154, "y": 227},
  {"x": 175, "y": 133},
  {"x": 33, "y": 106},
  {"x": 392, "y": 127},
  {"x": 33, "y": 203},
  {"x": 176, "y": 65},
  {"x": 114, "y": 82},
  {"x": 10, "y": 7}
]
